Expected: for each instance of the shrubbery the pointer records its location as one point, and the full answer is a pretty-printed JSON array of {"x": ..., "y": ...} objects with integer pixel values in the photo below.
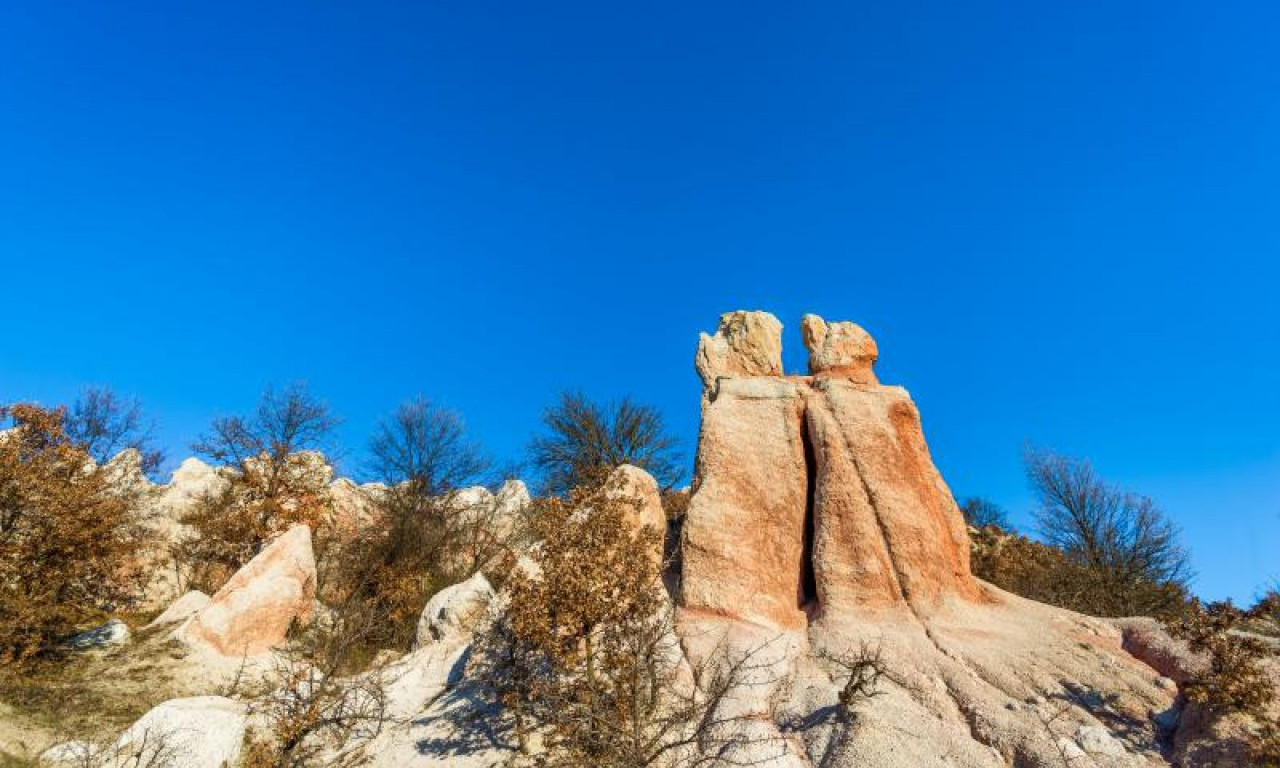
[
  {"x": 67, "y": 534},
  {"x": 1236, "y": 679}
]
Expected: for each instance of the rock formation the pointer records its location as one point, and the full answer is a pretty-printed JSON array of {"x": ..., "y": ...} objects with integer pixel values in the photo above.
[
  {"x": 746, "y": 344},
  {"x": 454, "y": 611},
  {"x": 818, "y": 517},
  {"x": 815, "y": 495},
  {"x": 252, "y": 612},
  {"x": 640, "y": 491},
  {"x": 839, "y": 349}
]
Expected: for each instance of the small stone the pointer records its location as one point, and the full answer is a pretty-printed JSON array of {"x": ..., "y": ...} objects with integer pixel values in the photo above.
[
  {"x": 1069, "y": 749},
  {"x": 113, "y": 634},
  {"x": 1097, "y": 740}
]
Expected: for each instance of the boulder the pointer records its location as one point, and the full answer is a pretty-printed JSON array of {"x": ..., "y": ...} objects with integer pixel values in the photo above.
[
  {"x": 746, "y": 344},
  {"x": 644, "y": 502},
  {"x": 454, "y": 611},
  {"x": 200, "y": 732},
  {"x": 252, "y": 612},
  {"x": 839, "y": 349}
]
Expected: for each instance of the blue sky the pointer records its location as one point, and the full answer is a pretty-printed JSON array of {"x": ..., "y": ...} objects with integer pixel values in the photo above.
[{"x": 1060, "y": 223}]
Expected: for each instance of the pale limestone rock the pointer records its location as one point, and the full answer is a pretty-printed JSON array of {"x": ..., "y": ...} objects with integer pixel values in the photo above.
[
  {"x": 839, "y": 349},
  {"x": 746, "y": 344},
  {"x": 252, "y": 612},
  {"x": 181, "y": 609},
  {"x": 200, "y": 732},
  {"x": 192, "y": 481},
  {"x": 125, "y": 472},
  {"x": 644, "y": 502},
  {"x": 743, "y": 533},
  {"x": 454, "y": 611},
  {"x": 1097, "y": 740}
]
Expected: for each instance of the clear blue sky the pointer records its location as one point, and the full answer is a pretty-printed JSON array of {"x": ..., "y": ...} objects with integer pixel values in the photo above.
[{"x": 1060, "y": 220}]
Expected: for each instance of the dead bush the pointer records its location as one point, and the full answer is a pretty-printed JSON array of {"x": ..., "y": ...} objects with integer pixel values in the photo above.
[
  {"x": 325, "y": 706},
  {"x": 431, "y": 532},
  {"x": 67, "y": 535},
  {"x": 1127, "y": 551},
  {"x": 585, "y": 654},
  {"x": 584, "y": 441},
  {"x": 1236, "y": 679}
]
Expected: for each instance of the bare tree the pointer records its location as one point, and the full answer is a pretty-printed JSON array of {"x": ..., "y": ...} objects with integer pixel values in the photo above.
[
  {"x": 980, "y": 512},
  {"x": 429, "y": 533},
  {"x": 274, "y": 483},
  {"x": 104, "y": 423},
  {"x": 584, "y": 441},
  {"x": 426, "y": 446},
  {"x": 1121, "y": 538},
  {"x": 285, "y": 422}
]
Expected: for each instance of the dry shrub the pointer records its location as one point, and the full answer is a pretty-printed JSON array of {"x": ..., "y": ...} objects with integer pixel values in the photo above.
[
  {"x": 430, "y": 531},
  {"x": 1125, "y": 551},
  {"x": 585, "y": 655},
  {"x": 1236, "y": 679},
  {"x": 1046, "y": 574},
  {"x": 67, "y": 535},
  {"x": 258, "y": 503},
  {"x": 321, "y": 712}
]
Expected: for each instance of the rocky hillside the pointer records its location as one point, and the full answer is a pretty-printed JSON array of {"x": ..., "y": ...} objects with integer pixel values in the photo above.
[{"x": 819, "y": 533}]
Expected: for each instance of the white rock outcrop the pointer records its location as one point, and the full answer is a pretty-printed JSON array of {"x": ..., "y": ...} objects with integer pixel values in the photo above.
[
  {"x": 199, "y": 732},
  {"x": 454, "y": 612}
]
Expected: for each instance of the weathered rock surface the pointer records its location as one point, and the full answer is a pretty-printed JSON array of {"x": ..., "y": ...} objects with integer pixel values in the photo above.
[
  {"x": 644, "y": 503},
  {"x": 454, "y": 611},
  {"x": 252, "y": 612},
  {"x": 839, "y": 349},
  {"x": 744, "y": 543},
  {"x": 200, "y": 732},
  {"x": 746, "y": 344},
  {"x": 817, "y": 495},
  {"x": 181, "y": 609},
  {"x": 817, "y": 516}
]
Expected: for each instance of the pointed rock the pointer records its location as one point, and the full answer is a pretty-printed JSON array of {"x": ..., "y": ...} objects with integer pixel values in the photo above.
[{"x": 252, "y": 612}]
